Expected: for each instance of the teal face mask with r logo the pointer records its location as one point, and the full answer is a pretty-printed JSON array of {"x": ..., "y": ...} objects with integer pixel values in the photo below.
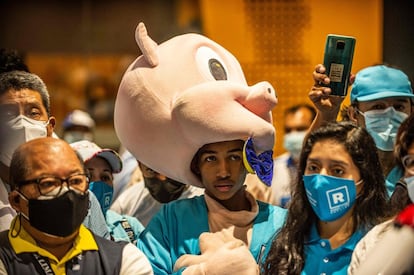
[
  {"x": 330, "y": 197},
  {"x": 103, "y": 193}
]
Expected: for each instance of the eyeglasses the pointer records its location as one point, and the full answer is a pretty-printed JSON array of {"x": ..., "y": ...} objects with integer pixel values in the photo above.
[
  {"x": 45, "y": 185},
  {"x": 408, "y": 162}
]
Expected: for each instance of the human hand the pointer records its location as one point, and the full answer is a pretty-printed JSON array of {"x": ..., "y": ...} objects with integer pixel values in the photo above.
[
  {"x": 327, "y": 105},
  {"x": 219, "y": 257}
]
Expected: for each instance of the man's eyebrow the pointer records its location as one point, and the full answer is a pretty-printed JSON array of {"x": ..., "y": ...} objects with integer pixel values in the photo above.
[
  {"x": 235, "y": 150},
  {"x": 405, "y": 99},
  {"x": 208, "y": 152},
  {"x": 215, "y": 152},
  {"x": 34, "y": 103}
]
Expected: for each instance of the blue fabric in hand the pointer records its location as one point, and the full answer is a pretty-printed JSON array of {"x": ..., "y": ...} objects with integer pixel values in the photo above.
[{"x": 261, "y": 165}]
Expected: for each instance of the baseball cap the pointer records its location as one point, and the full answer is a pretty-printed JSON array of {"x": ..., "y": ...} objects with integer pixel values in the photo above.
[
  {"x": 380, "y": 81},
  {"x": 78, "y": 118},
  {"x": 88, "y": 150}
]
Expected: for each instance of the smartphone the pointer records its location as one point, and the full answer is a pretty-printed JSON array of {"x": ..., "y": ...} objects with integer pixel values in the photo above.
[{"x": 337, "y": 59}]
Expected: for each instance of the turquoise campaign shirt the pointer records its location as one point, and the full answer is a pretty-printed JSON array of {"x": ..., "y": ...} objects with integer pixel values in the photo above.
[
  {"x": 175, "y": 229},
  {"x": 321, "y": 259}
]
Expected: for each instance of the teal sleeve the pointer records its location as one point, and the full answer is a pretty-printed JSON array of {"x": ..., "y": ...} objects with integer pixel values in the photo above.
[
  {"x": 173, "y": 232},
  {"x": 155, "y": 242}
]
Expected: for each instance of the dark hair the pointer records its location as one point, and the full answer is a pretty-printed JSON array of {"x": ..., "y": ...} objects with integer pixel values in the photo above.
[
  {"x": 404, "y": 139},
  {"x": 400, "y": 198},
  {"x": 19, "y": 80},
  {"x": 11, "y": 60},
  {"x": 371, "y": 206},
  {"x": 293, "y": 109},
  {"x": 195, "y": 162},
  {"x": 345, "y": 111}
]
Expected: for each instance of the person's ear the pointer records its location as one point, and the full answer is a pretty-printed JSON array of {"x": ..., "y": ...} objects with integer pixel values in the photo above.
[
  {"x": 15, "y": 199},
  {"x": 51, "y": 126},
  {"x": 352, "y": 113}
]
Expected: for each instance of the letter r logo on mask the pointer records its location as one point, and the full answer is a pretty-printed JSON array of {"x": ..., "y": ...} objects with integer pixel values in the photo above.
[{"x": 338, "y": 197}]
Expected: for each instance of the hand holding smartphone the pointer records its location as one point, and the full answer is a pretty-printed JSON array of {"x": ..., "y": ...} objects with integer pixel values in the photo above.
[{"x": 339, "y": 52}]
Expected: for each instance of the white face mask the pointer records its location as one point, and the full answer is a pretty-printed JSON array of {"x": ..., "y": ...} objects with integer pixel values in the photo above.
[
  {"x": 73, "y": 136},
  {"x": 22, "y": 129}
]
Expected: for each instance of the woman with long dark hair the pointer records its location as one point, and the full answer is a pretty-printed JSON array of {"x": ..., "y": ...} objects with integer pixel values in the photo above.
[{"x": 339, "y": 195}]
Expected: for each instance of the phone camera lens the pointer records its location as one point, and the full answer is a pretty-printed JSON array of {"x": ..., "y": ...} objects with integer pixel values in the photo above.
[{"x": 340, "y": 45}]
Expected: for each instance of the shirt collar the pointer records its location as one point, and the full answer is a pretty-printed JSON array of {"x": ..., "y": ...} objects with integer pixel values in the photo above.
[
  {"x": 350, "y": 244},
  {"x": 24, "y": 242}
]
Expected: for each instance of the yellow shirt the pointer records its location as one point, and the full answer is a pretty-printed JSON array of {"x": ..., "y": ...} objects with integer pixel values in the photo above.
[{"x": 23, "y": 242}]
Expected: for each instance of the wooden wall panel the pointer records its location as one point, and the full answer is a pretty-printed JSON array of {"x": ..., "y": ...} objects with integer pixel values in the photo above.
[{"x": 282, "y": 40}]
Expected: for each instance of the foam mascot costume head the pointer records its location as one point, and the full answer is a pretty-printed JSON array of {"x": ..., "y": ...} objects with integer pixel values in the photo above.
[{"x": 187, "y": 92}]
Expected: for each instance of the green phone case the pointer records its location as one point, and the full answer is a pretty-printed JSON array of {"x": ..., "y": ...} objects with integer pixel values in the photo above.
[{"x": 339, "y": 52}]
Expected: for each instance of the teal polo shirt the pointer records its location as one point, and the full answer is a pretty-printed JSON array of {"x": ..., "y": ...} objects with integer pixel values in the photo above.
[{"x": 321, "y": 259}]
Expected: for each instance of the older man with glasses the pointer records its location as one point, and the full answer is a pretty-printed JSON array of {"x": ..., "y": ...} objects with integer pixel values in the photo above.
[{"x": 50, "y": 194}]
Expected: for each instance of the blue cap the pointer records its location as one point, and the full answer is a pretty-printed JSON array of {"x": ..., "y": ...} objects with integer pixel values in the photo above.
[{"x": 380, "y": 81}]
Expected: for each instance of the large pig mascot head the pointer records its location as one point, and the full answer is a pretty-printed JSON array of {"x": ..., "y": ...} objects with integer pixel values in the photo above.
[{"x": 187, "y": 92}]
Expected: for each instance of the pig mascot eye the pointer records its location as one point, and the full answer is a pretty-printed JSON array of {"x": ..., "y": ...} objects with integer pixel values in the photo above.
[
  {"x": 210, "y": 64},
  {"x": 217, "y": 69}
]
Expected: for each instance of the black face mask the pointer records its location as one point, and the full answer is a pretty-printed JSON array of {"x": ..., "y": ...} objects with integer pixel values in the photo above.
[
  {"x": 164, "y": 191},
  {"x": 59, "y": 216}
]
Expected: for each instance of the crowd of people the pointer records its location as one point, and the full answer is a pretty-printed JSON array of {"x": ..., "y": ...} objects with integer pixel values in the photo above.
[{"x": 343, "y": 189}]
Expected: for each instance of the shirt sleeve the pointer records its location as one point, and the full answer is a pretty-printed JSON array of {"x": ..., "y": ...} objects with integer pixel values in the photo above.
[{"x": 134, "y": 262}]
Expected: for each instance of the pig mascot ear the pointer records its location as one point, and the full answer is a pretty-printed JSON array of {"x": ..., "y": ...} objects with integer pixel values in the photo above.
[{"x": 146, "y": 44}]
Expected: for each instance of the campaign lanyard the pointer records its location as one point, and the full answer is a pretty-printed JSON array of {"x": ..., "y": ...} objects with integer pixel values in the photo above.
[{"x": 44, "y": 264}]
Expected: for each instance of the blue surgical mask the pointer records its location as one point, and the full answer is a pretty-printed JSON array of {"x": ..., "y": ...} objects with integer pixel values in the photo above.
[
  {"x": 293, "y": 142},
  {"x": 103, "y": 192},
  {"x": 330, "y": 197},
  {"x": 383, "y": 125}
]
